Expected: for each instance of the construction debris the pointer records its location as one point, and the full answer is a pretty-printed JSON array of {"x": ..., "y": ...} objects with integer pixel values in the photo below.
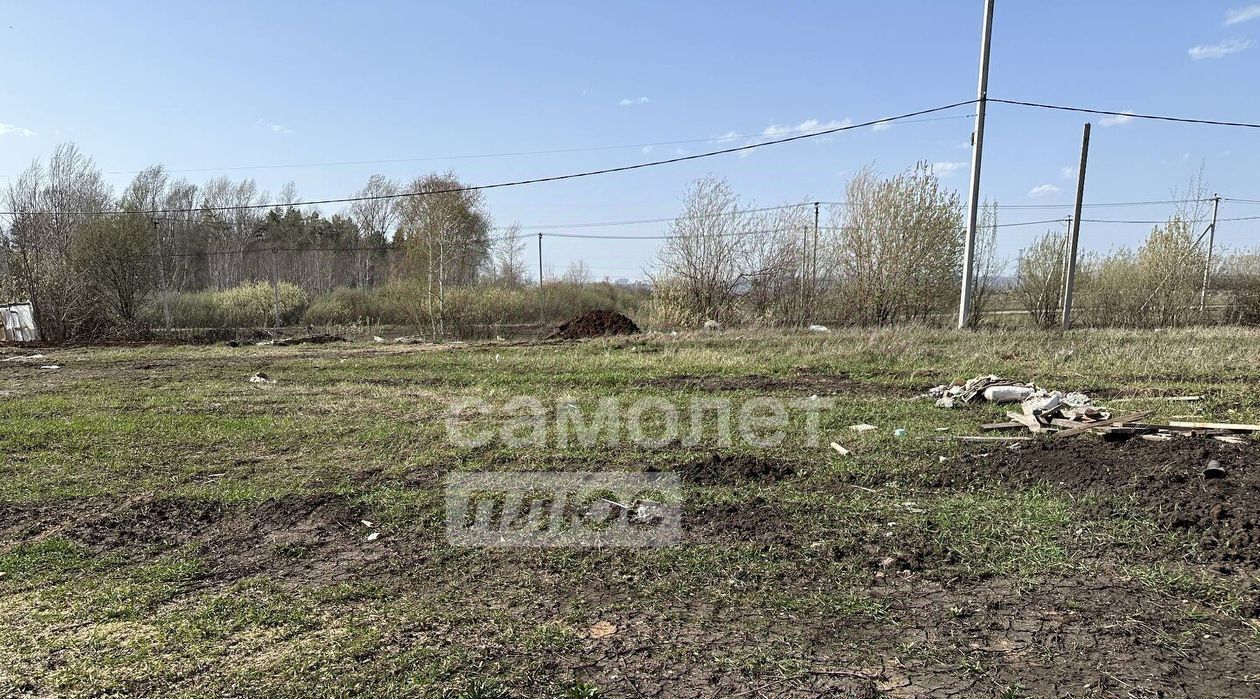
[
  {"x": 1068, "y": 414},
  {"x": 261, "y": 377}
]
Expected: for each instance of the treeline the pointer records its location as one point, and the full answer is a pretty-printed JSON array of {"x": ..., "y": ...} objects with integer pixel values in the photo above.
[
  {"x": 165, "y": 252},
  {"x": 94, "y": 262},
  {"x": 891, "y": 254}
]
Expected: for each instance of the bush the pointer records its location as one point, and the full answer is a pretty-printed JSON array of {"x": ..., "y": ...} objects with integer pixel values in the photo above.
[{"x": 1240, "y": 280}]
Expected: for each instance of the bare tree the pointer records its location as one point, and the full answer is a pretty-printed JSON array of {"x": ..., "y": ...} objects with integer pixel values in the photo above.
[
  {"x": 898, "y": 246},
  {"x": 703, "y": 257},
  {"x": 445, "y": 233},
  {"x": 51, "y": 205},
  {"x": 988, "y": 266},
  {"x": 376, "y": 216},
  {"x": 510, "y": 268},
  {"x": 1039, "y": 277}
]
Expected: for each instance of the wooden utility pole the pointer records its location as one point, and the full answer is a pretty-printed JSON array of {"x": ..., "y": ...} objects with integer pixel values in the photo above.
[
  {"x": 542, "y": 323},
  {"x": 1207, "y": 266},
  {"x": 977, "y": 153},
  {"x": 1074, "y": 234}
]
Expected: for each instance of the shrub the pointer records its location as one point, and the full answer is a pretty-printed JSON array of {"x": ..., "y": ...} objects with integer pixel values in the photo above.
[{"x": 253, "y": 305}]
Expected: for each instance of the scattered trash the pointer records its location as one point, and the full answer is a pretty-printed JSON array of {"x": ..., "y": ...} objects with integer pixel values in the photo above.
[
  {"x": 1214, "y": 470},
  {"x": 712, "y": 325},
  {"x": 365, "y": 523},
  {"x": 260, "y": 377},
  {"x": 819, "y": 329},
  {"x": 900, "y": 432},
  {"x": 601, "y": 629},
  {"x": 24, "y": 358},
  {"x": 842, "y": 450},
  {"x": 410, "y": 340},
  {"x": 53, "y": 367},
  {"x": 373, "y": 536},
  {"x": 863, "y": 427},
  {"x": 377, "y": 338},
  {"x": 1072, "y": 413}
]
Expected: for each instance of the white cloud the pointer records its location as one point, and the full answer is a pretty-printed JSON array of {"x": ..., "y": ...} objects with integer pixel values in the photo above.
[
  {"x": 633, "y": 100},
  {"x": 11, "y": 130},
  {"x": 804, "y": 127},
  {"x": 1043, "y": 190},
  {"x": 1220, "y": 50},
  {"x": 1242, "y": 14},
  {"x": 1115, "y": 120},
  {"x": 274, "y": 128},
  {"x": 1067, "y": 172},
  {"x": 882, "y": 126},
  {"x": 945, "y": 169},
  {"x": 646, "y": 149}
]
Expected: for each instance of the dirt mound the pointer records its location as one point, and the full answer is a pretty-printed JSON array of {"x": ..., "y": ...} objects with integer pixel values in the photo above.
[
  {"x": 1162, "y": 481},
  {"x": 595, "y": 324},
  {"x": 728, "y": 469}
]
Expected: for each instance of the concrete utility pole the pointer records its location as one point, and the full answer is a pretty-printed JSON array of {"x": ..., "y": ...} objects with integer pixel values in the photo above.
[
  {"x": 275, "y": 284},
  {"x": 1074, "y": 235},
  {"x": 977, "y": 153},
  {"x": 1207, "y": 267},
  {"x": 542, "y": 323},
  {"x": 813, "y": 265}
]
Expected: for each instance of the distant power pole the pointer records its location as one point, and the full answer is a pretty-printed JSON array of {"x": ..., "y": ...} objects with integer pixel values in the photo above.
[
  {"x": 813, "y": 283},
  {"x": 977, "y": 153},
  {"x": 275, "y": 284},
  {"x": 542, "y": 323},
  {"x": 1207, "y": 266},
  {"x": 1074, "y": 235}
]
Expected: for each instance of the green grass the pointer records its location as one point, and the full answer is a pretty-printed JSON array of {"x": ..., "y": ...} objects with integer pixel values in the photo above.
[{"x": 364, "y": 424}]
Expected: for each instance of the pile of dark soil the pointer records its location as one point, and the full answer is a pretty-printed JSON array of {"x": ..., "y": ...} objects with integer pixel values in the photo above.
[
  {"x": 731, "y": 469},
  {"x": 1163, "y": 481},
  {"x": 595, "y": 324}
]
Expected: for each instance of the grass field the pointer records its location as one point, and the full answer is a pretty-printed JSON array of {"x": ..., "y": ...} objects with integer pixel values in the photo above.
[{"x": 168, "y": 528}]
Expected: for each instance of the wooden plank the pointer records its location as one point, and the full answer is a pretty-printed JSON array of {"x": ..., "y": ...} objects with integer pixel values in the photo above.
[
  {"x": 1131, "y": 417},
  {"x": 1232, "y": 426},
  {"x": 1002, "y": 425}
]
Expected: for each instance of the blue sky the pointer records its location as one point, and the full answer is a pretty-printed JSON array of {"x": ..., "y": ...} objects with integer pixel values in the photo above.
[{"x": 229, "y": 84}]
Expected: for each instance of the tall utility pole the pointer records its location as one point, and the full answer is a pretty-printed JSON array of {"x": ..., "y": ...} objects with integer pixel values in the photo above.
[
  {"x": 275, "y": 284},
  {"x": 804, "y": 270},
  {"x": 542, "y": 323},
  {"x": 1207, "y": 266},
  {"x": 813, "y": 265},
  {"x": 1075, "y": 235},
  {"x": 977, "y": 153}
]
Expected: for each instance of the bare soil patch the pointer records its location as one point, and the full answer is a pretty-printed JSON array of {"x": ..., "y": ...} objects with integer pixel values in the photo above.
[
  {"x": 1163, "y": 481},
  {"x": 309, "y": 539},
  {"x": 734, "y": 469}
]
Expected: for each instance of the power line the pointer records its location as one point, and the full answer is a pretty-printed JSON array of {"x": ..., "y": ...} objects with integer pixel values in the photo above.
[
  {"x": 1133, "y": 115},
  {"x": 508, "y": 154},
  {"x": 541, "y": 180}
]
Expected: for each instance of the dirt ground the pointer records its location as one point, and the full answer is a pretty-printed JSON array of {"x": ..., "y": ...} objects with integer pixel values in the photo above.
[{"x": 169, "y": 529}]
